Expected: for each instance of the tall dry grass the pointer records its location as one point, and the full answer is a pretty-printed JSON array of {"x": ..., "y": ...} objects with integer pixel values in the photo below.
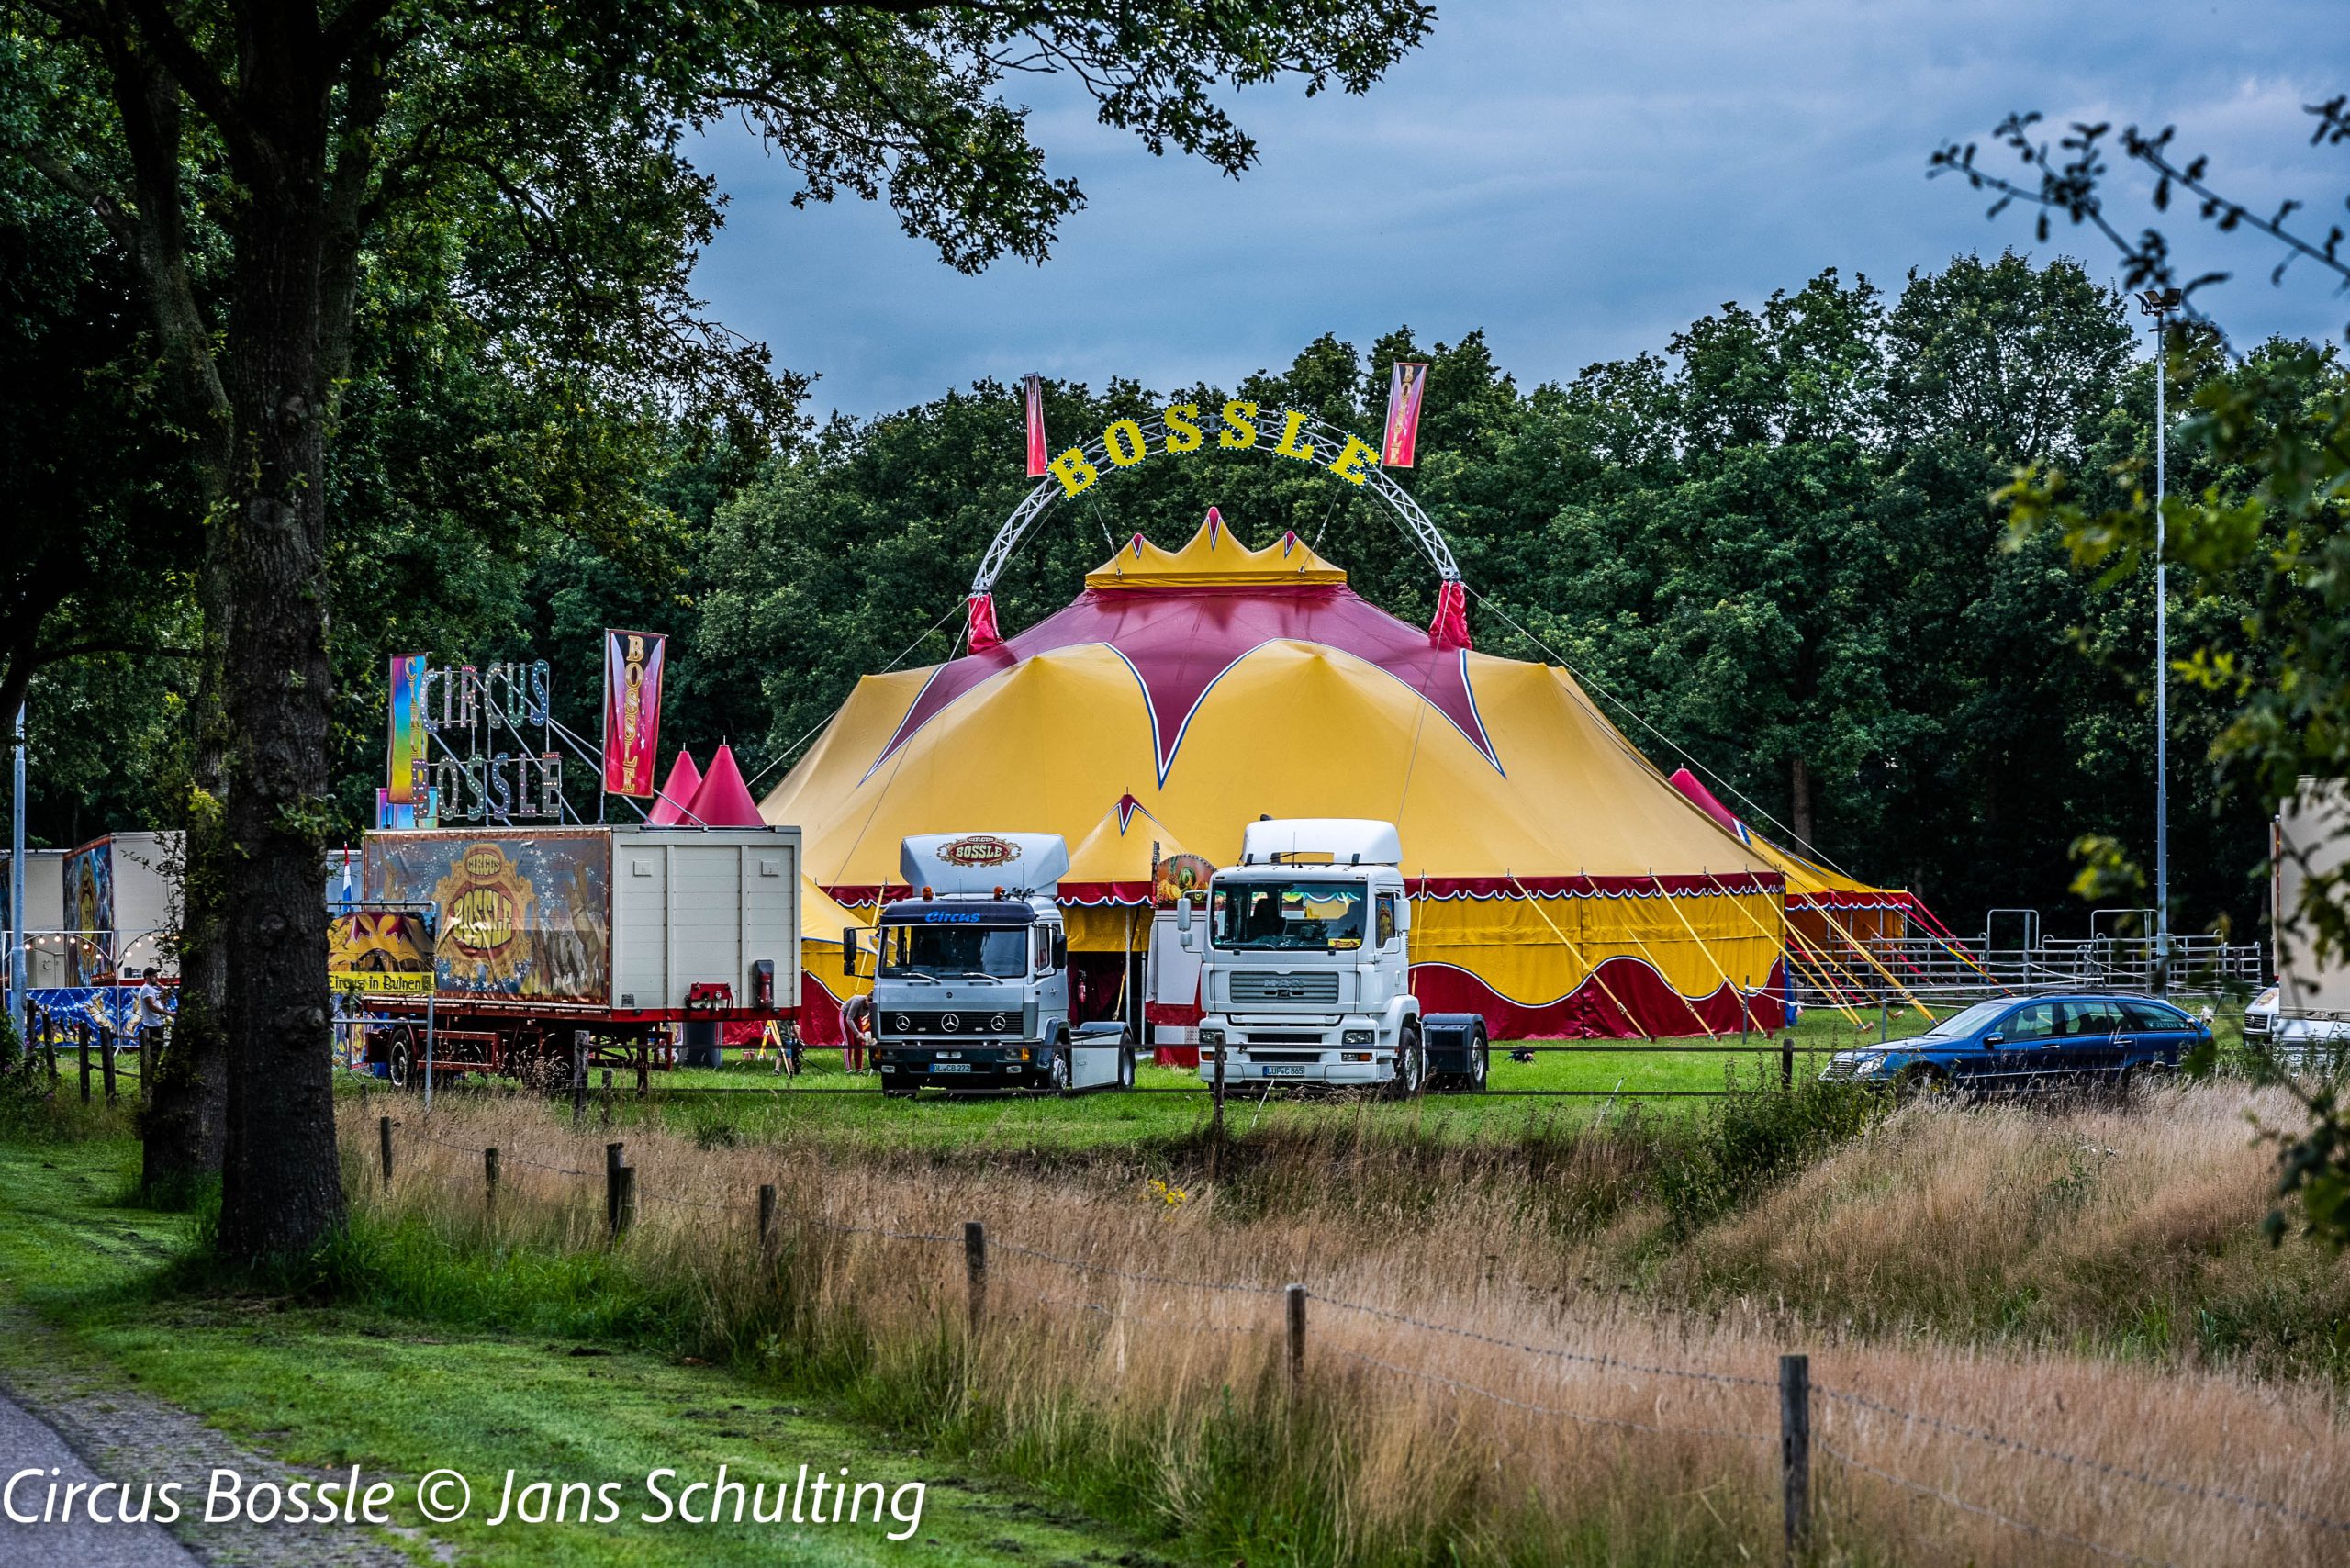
[{"x": 1551, "y": 1412}]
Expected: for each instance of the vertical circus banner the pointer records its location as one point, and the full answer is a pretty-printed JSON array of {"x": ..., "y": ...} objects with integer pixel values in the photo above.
[
  {"x": 632, "y": 662},
  {"x": 406, "y": 758},
  {"x": 1404, "y": 384},
  {"x": 1036, "y": 401}
]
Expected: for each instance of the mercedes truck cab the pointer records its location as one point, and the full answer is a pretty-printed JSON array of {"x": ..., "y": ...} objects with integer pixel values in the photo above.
[{"x": 972, "y": 990}]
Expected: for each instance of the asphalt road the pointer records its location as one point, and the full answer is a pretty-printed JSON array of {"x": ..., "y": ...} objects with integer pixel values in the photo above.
[{"x": 26, "y": 1443}]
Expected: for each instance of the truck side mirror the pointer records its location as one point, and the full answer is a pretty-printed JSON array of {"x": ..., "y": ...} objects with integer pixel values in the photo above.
[
  {"x": 1403, "y": 917},
  {"x": 849, "y": 951},
  {"x": 1188, "y": 939},
  {"x": 1182, "y": 913}
]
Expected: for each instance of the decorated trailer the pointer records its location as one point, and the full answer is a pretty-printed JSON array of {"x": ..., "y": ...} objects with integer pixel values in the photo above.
[{"x": 539, "y": 933}]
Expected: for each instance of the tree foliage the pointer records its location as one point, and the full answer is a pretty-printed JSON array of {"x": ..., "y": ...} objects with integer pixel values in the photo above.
[{"x": 2259, "y": 524}]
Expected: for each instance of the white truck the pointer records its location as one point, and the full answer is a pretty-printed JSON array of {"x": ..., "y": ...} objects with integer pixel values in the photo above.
[
  {"x": 2307, "y": 1012},
  {"x": 1305, "y": 974},
  {"x": 971, "y": 992}
]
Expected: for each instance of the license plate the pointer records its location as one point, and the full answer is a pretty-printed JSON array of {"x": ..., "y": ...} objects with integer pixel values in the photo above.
[
  {"x": 1286, "y": 1069},
  {"x": 950, "y": 1067}
]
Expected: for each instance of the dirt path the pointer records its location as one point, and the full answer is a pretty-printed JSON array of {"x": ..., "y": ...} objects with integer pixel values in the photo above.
[{"x": 54, "y": 1401}]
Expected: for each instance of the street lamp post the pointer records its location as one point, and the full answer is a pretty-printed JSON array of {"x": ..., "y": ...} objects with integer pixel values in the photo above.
[
  {"x": 18, "y": 1011},
  {"x": 2159, "y": 302}
]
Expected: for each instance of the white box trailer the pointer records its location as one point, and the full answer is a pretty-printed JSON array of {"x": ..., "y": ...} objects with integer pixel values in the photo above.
[
  {"x": 620, "y": 931},
  {"x": 39, "y": 928},
  {"x": 2312, "y": 842},
  {"x": 119, "y": 908}
]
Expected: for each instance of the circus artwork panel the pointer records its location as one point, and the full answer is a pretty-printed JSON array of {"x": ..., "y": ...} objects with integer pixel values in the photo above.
[
  {"x": 523, "y": 917},
  {"x": 89, "y": 914}
]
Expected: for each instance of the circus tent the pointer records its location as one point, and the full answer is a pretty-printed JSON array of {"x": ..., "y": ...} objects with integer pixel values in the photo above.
[{"x": 1561, "y": 886}]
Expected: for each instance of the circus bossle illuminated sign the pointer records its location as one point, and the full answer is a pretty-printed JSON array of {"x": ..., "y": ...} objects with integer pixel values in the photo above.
[{"x": 1239, "y": 426}]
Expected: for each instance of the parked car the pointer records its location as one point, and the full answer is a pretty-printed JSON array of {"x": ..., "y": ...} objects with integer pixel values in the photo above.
[{"x": 2013, "y": 1045}]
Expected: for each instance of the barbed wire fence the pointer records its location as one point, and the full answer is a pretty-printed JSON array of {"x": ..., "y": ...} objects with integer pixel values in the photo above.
[{"x": 1803, "y": 1403}]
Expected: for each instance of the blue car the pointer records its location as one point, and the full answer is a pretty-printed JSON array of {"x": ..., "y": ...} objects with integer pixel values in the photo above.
[{"x": 2032, "y": 1043}]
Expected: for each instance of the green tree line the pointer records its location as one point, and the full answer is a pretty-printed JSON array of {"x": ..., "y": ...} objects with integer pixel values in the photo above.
[{"x": 1771, "y": 546}]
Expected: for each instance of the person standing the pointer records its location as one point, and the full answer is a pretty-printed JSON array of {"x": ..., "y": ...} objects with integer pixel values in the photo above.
[{"x": 150, "y": 1015}]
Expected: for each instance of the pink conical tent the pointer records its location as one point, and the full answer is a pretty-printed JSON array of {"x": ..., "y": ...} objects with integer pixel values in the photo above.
[
  {"x": 669, "y": 806},
  {"x": 723, "y": 800}
]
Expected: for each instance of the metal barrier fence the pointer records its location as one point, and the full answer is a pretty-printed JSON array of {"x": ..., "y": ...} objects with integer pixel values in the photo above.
[{"x": 1970, "y": 969}]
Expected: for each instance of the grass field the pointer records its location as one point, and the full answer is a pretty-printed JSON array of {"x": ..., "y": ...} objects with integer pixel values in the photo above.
[
  {"x": 1571, "y": 1088},
  {"x": 325, "y": 1387}
]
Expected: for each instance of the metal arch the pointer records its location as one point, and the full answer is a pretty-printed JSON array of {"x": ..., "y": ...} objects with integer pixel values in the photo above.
[{"x": 1154, "y": 432}]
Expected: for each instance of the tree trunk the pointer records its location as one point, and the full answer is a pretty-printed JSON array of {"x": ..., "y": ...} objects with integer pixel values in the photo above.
[
  {"x": 1799, "y": 800},
  {"x": 282, "y": 1185}
]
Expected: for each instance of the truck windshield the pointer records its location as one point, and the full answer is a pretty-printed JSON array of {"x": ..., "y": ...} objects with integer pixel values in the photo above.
[
  {"x": 1288, "y": 914},
  {"x": 998, "y": 950}
]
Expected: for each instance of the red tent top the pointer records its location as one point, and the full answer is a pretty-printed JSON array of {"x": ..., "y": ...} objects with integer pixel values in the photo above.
[
  {"x": 669, "y": 805},
  {"x": 723, "y": 800}
]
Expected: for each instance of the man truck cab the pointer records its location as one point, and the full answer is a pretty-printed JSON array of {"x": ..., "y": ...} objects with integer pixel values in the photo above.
[
  {"x": 972, "y": 990},
  {"x": 1304, "y": 972}
]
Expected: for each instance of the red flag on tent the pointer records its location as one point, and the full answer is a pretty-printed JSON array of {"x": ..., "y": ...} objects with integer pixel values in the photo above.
[
  {"x": 669, "y": 806},
  {"x": 723, "y": 800},
  {"x": 1450, "y": 627},
  {"x": 1404, "y": 384},
  {"x": 1036, "y": 384}
]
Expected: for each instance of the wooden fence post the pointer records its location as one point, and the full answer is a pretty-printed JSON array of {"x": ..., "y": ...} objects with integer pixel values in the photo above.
[
  {"x": 608, "y": 1097},
  {"x": 49, "y": 1043},
  {"x": 624, "y": 1202},
  {"x": 612, "y": 1167},
  {"x": 81, "y": 1043},
  {"x": 383, "y": 1142},
  {"x": 489, "y": 1182},
  {"x": 578, "y": 1076},
  {"x": 1794, "y": 1451},
  {"x": 766, "y": 1216},
  {"x": 1215, "y": 1143},
  {"x": 107, "y": 1038},
  {"x": 975, "y": 1267},
  {"x": 1787, "y": 1062},
  {"x": 1297, "y": 1295}
]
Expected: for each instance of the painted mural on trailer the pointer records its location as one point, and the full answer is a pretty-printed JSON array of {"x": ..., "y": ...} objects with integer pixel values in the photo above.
[
  {"x": 523, "y": 917},
  {"x": 89, "y": 914}
]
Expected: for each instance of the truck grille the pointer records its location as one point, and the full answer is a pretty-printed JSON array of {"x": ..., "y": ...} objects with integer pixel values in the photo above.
[
  {"x": 904, "y": 1023},
  {"x": 1267, "y": 985}
]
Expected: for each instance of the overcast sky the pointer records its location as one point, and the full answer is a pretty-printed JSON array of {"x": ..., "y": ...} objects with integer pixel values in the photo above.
[{"x": 1578, "y": 180}]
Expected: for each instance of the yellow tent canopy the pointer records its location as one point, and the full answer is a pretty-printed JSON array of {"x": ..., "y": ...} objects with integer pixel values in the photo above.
[{"x": 1561, "y": 886}]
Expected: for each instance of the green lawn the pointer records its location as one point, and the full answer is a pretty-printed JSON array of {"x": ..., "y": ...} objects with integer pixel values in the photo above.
[
  {"x": 1603, "y": 1077},
  {"x": 330, "y": 1389}
]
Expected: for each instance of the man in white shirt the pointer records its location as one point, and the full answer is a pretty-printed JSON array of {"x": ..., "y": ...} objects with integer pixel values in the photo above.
[{"x": 151, "y": 1014}]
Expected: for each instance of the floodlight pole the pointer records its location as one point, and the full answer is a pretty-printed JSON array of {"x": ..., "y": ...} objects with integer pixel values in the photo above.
[
  {"x": 16, "y": 938},
  {"x": 2158, "y": 303}
]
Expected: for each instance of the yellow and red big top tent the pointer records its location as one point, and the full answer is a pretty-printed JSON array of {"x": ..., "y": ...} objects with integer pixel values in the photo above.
[{"x": 1561, "y": 886}]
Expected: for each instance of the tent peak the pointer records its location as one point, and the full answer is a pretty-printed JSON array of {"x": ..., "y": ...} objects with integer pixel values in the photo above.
[{"x": 1213, "y": 559}]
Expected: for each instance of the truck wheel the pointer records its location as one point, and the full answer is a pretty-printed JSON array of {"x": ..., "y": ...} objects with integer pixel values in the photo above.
[
  {"x": 399, "y": 1060},
  {"x": 1059, "y": 1072},
  {"x": 1126, "y": 1068},
  {"x": 1479, "y": 1066},
  {"x": 1411, "y": 1065}
]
